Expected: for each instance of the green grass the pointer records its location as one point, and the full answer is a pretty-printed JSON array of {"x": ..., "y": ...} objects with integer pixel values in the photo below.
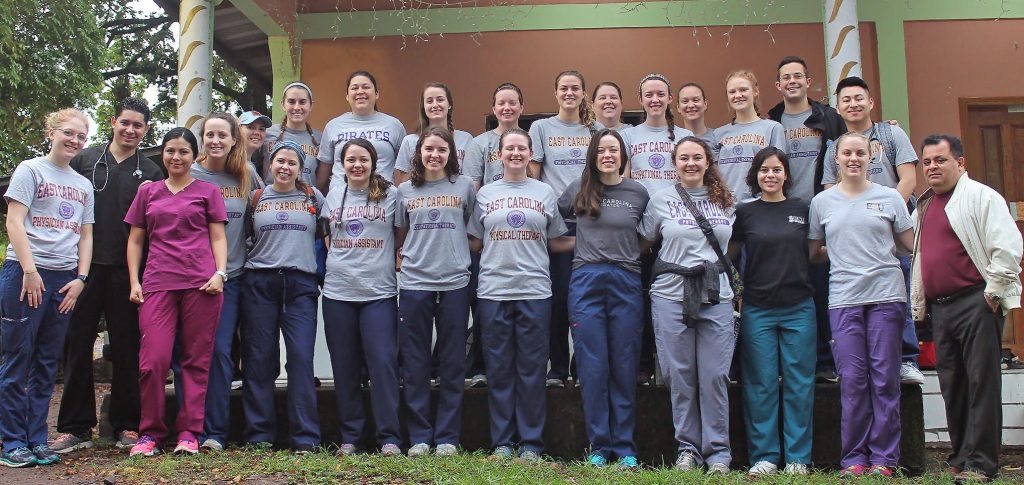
[{"x": 263, "y": 466}]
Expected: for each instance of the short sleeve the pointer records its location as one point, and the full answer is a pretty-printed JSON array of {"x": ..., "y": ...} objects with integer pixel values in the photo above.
[
  {"x": 215, "y": 210},
  {"x": 904, "y": 147},
  {"x": 568, "y": 198},
  {"x": 739, "y": 228},
  {"x": 401, "y": 214},
  {"x": 815, "y": 227},
  {"x": 399, "y": 131},
  {"x": 325, "y": 153},
  {"x": 650, "y": 223},
  {"x": 778, "y": 137},
  {"x": 476, "y": 226},
  {"x": 537, "y": 140},
  {"x": 470, "y": 202},
  {"x": 473, "y": 163},
  {"x": 403, "y": 161},
  {"x": 398, "y": 201},
  {"x": 556, "y": 224},
  {"x": 22, "y": 187},
  {"x": 902, "y": 221},
  {"x": 829, "y": 168},
  {"x": 89, "y": 217},
  {"x": 136, "y": 215}
]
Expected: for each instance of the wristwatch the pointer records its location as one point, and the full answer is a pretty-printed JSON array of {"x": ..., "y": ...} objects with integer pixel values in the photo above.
[
  {"x": 223, "y": 275},
  {"x": 84, "y": 278},
  {"x": 994, "y": 298}
]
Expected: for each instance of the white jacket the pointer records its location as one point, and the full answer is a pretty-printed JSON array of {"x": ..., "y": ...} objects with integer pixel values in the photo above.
[{"x": 981, "y": 220}]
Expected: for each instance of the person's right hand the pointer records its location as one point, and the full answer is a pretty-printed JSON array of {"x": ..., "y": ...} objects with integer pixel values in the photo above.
[
  {"x": 32, "y": 287},
  {"x": 136, "y": 294}
]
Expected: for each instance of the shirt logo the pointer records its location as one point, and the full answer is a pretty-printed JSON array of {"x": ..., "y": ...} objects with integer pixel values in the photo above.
[
  {"x": 66, "y": 210},
  {"x": 282, "y": 216},
  {"x": 874, "y": 206},
  {"x": 516, "y": 219},
  {"x": 354, "y": 227},
  {"x": 657, "y": 160},
  {"x": 434, "y": 214},
  {"x": 576, "y": 152},
  {"x": 797, "y": 220},
  {"x": 795, "y": 144},
  {"x": 737, "y": 149}
]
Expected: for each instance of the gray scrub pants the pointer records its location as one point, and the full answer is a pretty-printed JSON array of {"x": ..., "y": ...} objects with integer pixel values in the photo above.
[{"x": 694, "y": 360}]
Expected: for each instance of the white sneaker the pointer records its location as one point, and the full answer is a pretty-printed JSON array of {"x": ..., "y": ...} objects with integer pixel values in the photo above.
[
  {"x": 762, "y": 468},
  {"x": 796, "y": 469},
  {"x": 446, "y": 449},
  {"x": 685, "y": 462},
  {"x": 419, "y": 449},
  {"x": 910, "y": 374},
  {"x": 718, "y": 469}
]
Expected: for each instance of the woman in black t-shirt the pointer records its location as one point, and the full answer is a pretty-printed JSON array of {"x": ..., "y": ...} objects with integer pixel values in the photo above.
[{"x": 778, "y": 334}]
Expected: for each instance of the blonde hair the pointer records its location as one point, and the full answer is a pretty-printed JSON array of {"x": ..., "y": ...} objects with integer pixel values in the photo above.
[
  {"x": 839, "y": 142},
  {"x": 57, "y": 118},
  {"x": 237, "y": 162},
  {"x": 749, "y": 76}
]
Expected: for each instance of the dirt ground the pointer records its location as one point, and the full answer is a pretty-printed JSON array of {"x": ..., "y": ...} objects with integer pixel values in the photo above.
[{"x": 65, "y": 472}]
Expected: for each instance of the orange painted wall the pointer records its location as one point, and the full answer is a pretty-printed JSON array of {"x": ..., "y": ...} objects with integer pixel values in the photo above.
[
  {"x": 473, "y": 66},
  {"x": 948, "y": 60}
]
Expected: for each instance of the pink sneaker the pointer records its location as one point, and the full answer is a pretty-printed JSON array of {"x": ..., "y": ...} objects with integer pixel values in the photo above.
[
  {"x": 146, "y": 446},
  {"x": 186, "y": 446},
  {"x": 853, "y": 471}
]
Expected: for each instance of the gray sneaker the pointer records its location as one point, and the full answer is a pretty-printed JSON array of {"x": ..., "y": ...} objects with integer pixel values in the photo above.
[
  {"x": 127, "y": 439},
  {"x": 478, "y": 381},
  {"x": 685, "y": 462},
  {"x": 555, "y": 383},
  {"x": 718, "y": 469},
  {"x": 419, "y": 449},
  {"x": 211, "y": 445},
  {"x": 529, "y": 456},
  {"x": 501, "y": 453},
  {"x": 446, "y": 449},
  {"x": 67, "y": 442}
]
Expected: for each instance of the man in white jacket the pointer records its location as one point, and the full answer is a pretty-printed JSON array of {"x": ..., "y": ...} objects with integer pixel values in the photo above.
[{"x": 966, "y": 275}]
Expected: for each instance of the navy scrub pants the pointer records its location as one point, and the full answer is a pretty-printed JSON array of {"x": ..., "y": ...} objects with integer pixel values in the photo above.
[
  {"x": 515, "y": 338},
  {"x": 355, "y": 330},
  {"x": 606, "y": 317},
  {"x": 222, "y": 366},
  {"x": 279, "y": 300},
  {"x": 417, "y": 313}
]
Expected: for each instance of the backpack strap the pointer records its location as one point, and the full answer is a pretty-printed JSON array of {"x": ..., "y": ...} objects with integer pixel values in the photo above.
[{"x": 883, "y": 131}]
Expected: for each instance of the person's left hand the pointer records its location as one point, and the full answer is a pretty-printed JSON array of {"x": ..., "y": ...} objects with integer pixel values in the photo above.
[
  {"x": 70, "y": 291},
  {"x": 994, "y": 305},
  {"x": 214, "y": 286}
]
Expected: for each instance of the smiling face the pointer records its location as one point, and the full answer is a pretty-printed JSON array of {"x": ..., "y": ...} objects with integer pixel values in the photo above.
[
  {"x": 67, "y": 139},
  {"x": 741, "y": 93},
  {"x": 285, "y": 166},
  {"x": 853, "y": 156},
  {"x": 217, "y": 138},
  {"x": 692, "y": 103},
  {"x": 655, "y": 97},
  {"x": 569, "y": 93},
  {"x": 854, "y": 104},
  {"x": 362, "y": 95},
  {"x": 607, "y": 102},
  {"x": 434, "y": 153},
  {"x": 609, "y": 155},
  {"x": 507, "y": 107},
  {"x": 516, "y": 153},
  {"x": 177, "y": 157},
  {"x": 254, "y": 133},
  {"x": 297, "y": 106},
  {"x": 793, "y": 81},
  {"x": 358, "y": 165},
  {"x": 942, "y": 169},
  {"x": 129, "y": 128},
  {"x": 771, "y": 176},
  {"x": 691, "y": 162},
  {"x": 436, "y": 105}
]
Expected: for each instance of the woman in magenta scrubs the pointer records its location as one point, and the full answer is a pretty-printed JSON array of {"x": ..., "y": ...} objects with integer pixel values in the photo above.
[{"x": 183, "y": 220}]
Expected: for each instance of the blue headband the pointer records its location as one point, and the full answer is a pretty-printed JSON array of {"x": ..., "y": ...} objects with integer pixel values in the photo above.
[{"x": 289, "y": 145}]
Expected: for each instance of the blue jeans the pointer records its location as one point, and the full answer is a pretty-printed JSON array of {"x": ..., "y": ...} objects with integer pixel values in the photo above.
[
  {"x": 222, "y": 368},
  {"x": 606, "y": 317},
  {"x": 32, "y": 340}
]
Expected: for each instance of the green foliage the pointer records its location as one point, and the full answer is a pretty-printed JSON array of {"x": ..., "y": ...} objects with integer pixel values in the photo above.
[{"x": 51, "y": 54}]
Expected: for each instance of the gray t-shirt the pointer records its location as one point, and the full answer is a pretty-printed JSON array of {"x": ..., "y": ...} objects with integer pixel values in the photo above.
[
  {"x": 804, "y": 146},
  {"x": 310, "y": 146},
  {"x": 483, "y": 158},
  {"x": 435, "y": 255},
  {"x": 712, "y": 141},
  {"x": 881, "y": 170},
  {"x": 59, "y": 202},
  {"x": 739, "y": 143},
  {"x": 408, "y": 150},
  {"x": 361, "y": 255},
  {"x": 621, "y": 128},
  {"x": 561, "y": 148},
  {"x": 515, "y": 220},
  {"x": 284, "y": 227},
  {"x": 682, "y": 241},
  {"x": 235, "y": 203},
  {"x": 611, "y": 238},
  {"x": 384, "y": 131},
  {"x": 650, "y": 155},
  {"x": 860, "y": 234}
]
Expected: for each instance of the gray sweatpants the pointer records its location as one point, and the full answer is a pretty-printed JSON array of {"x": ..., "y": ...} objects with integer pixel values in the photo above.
[{"x": 694, "y": 361}]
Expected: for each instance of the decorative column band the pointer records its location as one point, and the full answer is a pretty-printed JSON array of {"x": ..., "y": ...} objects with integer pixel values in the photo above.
[
  {"x": 195, "y": 57},
  {"x": 842, "y": 42}
]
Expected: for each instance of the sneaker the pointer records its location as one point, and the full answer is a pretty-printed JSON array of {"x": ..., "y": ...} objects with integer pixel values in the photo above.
[
  {"x": 147, "y": 446},
  {"x": 18, "y": 458},
  {"x": 211, "y": 445},
  {"x": 718, "y": 469},
  {"x": 763, "y": 468},
  {"x": 910, "y": 374},
  {"x": 826, "y": 375},
  {"x": 302, "y": 450},
  {"x": 446, "y": 449},
  {"x": 853, "y": 471},
  {"x": 685, "y": 462},
  {"x": 881, "y": 470},
  {"x": 628, "y": 462},
  {"x": 345, "y": 449},
  {"x": 971, "y": 476},
  {"x": 44, "y": 455},
  {"x": 478, "y": 381},
  {"x": 126, "y": 439},
  {"x": 643, "y": 378},
  {"x": 236, "y": 385},
  {"x": 419, "y": 449},
  {"x": 796, "y": 469},
  {"x": 435, "y": 382},
  {"x": 501, "y": 453},
  {"x": 186, "y": 446},
  {"x": 529, "y": 456},
  {"x": 555, "y": 383},
  {"x": 390, "y": 450},
  {"x": 596, "y": 459},
  {"x": 67, "y": 442}
]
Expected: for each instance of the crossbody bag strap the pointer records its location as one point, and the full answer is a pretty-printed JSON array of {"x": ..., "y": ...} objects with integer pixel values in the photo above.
[{"x": 705, "y": 227}]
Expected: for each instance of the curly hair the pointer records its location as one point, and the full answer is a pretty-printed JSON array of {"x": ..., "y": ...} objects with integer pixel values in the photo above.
[
  {"x": 718, "y": 191},
  {"x": 588, "y": 200},
  {"x": 451, "y": 169}
]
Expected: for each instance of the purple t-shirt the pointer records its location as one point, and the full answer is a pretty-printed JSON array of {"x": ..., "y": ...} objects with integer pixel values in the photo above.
[{"x": 177, "y": 227}]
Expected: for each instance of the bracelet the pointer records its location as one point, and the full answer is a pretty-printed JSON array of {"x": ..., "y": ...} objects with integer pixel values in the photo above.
[{"x": 30, "y": 272}]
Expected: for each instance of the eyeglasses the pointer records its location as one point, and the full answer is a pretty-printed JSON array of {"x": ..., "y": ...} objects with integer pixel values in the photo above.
[
  {"x": 798, "y": 76},
  {"x": 82, "y": 137}
]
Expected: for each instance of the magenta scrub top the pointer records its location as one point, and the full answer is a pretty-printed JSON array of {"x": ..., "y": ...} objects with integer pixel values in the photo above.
[{"x": 177, "y": 227}]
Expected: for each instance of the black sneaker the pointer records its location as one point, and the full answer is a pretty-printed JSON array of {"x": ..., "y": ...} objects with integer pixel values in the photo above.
[
  {"x": 44, "y": 455},
  {"x": 304, "y": 450},
  {"x": 18, "y": 458}
]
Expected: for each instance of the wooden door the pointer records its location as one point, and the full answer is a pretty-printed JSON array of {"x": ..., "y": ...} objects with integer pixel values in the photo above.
[{"x": 993, "y": 135}]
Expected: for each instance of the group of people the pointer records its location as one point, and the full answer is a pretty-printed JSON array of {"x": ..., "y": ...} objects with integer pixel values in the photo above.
[{"x": 631, "y": 238}]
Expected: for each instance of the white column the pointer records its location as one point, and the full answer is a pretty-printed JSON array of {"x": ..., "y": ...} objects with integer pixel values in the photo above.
[
  {"x": 842, "y": 43},
  {"x": 195, "y": 56}
]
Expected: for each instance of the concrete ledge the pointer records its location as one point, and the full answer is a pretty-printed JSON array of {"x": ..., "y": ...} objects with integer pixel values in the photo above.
[{"x": 565, "y": 435}]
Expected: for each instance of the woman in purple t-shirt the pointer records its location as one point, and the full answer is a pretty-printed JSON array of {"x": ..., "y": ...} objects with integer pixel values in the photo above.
[{"x": 183, "y": 220}]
